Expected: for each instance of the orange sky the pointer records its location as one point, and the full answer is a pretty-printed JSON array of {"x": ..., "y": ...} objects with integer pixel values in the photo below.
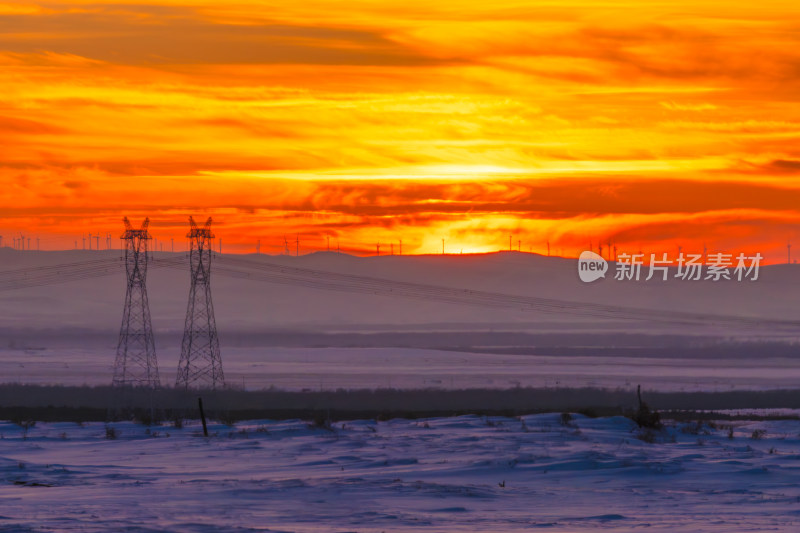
[{"x": 650, "y": 124}]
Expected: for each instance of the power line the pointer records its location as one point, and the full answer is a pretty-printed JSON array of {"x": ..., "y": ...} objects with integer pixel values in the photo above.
[
  {"x": 263, "y": 271},
  {"x": 255, "y": 270}
]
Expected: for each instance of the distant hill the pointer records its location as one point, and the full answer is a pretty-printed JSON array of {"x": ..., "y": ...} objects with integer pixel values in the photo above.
[{"x": 93, "y": 307}]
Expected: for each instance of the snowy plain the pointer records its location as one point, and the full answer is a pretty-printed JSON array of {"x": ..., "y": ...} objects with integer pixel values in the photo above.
[
  {"x": 330, "y": 368},
  {"x": 443, "y": 475},
  {"x": 66, "y": 333},
  {"x": 455, "y": 474}
]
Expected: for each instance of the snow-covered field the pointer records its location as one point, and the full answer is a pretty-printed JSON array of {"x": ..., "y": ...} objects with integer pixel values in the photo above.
[
  {"x": 455, "y": 474},
  {"x": 412, "y": 368},
  {"x": 67, "y": 333}
]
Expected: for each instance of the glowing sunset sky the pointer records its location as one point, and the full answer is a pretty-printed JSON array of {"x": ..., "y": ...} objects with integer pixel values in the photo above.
[{"x": 650, "y": 124}]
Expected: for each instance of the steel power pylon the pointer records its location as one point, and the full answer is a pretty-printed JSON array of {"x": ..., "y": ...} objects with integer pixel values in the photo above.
[
  {"x": 135, "y": 364},
  {"x": 200, "y": 364}
]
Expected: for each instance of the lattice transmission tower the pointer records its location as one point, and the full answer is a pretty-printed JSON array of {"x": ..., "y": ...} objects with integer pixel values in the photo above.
[
  {"x": 200, "y": 364},
  {"x": 135, "y": 364}
]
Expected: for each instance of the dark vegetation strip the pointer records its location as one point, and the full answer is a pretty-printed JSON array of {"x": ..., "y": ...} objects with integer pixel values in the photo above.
[{"x": 66, "y": 403}]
